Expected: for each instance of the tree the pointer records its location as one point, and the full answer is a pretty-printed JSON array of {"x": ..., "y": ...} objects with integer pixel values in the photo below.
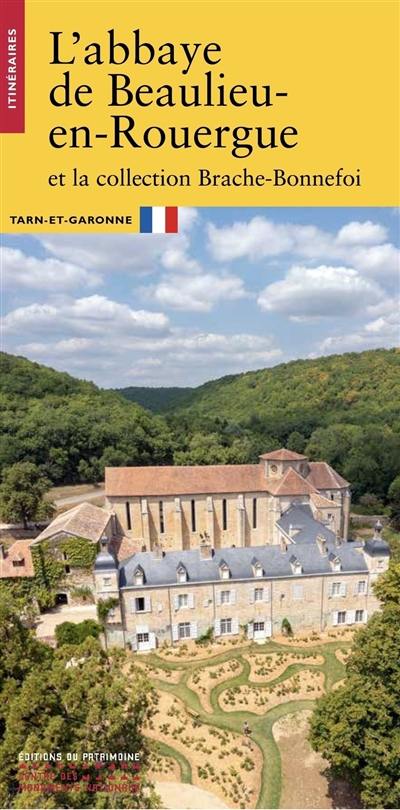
[
  {"x": 21, "y": 494},
  {"x": 103, "y": 609},
  {"x": 394, "y": 503},
  {"x": 357, "y": 726},
  {"x": 79, "y": 699}
]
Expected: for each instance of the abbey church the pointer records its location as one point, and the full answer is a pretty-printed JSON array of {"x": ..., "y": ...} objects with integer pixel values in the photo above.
[{"x": 225, "y": 505}]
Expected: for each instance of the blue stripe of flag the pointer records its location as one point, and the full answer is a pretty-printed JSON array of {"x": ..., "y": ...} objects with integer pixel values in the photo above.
[{"x": 146, "y": 219}]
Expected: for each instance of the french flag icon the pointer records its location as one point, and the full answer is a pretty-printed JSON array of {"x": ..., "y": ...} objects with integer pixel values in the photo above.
[{"x": 159, "y": 219}]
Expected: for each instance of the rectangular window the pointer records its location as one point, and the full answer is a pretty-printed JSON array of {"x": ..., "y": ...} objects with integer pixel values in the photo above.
[
  {"x": 142, "y": 638},
  {"x": 140, "y": 604},
  {"x": 225, "y": 597},
  {"x": 224, "y": 514},
  {"x": 184, "y": 630},
  {"x": 335, "y": 588},
  {"x": 106, "y": 581},
  {"x": 341, "y": 617},
  {"x": 226, "y": 627},
  {"x": 359, "y": 616},
  {"x": 361, "y": 586},
  {"x": 259, "y": 627},
  {"x": 258, "y": 594},
  {"x": 254, "y": 513},
  {"x": 128, "y": 515},
  {"x": 161, "y": 516},
  {"x": 193, "y": 514},
  {"x": 183, "y": 600}
]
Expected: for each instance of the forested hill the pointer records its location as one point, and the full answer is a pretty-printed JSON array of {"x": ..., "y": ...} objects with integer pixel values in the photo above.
[
  {"x": 365, "y": 383},
  {"x": 157, "y": 400},
  {"x": 343, "y": 409},
  {"x": 70, "y": 428}
]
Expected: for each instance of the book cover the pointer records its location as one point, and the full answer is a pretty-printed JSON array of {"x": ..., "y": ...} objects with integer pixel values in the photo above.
[{"x": 199, "y": 447}]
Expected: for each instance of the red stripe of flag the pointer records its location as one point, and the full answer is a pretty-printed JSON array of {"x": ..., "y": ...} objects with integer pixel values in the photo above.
[{"x": 171, "y": 219}]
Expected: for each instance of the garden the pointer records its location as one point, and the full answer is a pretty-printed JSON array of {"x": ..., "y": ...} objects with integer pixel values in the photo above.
[{"x": 231, "y": 715}]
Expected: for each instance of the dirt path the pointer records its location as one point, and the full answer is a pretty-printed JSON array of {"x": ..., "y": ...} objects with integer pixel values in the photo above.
[
  {"x": 90, "y": 495},
  {"x": 176, "y": 796}
]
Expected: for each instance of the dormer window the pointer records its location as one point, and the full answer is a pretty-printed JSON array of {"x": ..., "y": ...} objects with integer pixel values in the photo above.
[
  {"x": 336, "y": 563},
  {"x": 139, "y": 575},
  {"x": 296, "y": 565},
  {"x": 257, "y": 568},
  {"x": 181, "y": 573},
  {"x": 224, "y": 571}
]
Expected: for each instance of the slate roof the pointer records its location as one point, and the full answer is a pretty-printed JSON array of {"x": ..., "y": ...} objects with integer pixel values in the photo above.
[
  {"x": 105, "y": 561},
  {"x": 275, "y": 562},
  {"x": 300, "y": 516},
  {"x": 377, "y": 547},
  {"x": 84, "y": 520}
]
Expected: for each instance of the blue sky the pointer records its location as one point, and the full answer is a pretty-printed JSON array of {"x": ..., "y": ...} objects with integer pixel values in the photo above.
[{"x": 236, "y": 289}]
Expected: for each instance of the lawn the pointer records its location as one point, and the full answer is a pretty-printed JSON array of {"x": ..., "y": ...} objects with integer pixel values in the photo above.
[{"x": 206, "y": 695}]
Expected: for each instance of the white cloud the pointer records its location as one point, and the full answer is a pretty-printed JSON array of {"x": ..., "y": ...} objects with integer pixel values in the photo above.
[
  {"x": 51, "y": 275},
  {"x": 361, "y": 233},
  {"x": 195, "y": 293},
  {"x": 94, "y": 314},
  {"x": 319, "y": 292},
  {"x": 380, "y": 332},
  {"x": 186, "y": 357},
  {"x": 139, "y": 253},
  {"x": 357, "y": 244}
]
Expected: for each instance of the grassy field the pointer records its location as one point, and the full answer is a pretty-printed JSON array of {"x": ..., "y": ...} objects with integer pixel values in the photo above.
[{"x": 206, "y": 696}]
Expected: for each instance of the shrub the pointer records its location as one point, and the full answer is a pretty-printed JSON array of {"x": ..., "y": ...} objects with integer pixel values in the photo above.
[
  {"x": 70, "y": 633},
  {"x": 286, "y": 627}
]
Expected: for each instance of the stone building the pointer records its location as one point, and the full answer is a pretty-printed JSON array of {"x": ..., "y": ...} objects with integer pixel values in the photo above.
[
  {"x": 239, "y": 504},
  {"x": 313, "y": 580}
]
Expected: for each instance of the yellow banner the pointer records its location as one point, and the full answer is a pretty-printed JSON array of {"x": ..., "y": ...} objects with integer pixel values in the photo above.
[{"x": 201, "y": 103}]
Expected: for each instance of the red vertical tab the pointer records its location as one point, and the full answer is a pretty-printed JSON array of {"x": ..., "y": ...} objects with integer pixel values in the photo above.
[
  {"x": 12, "y": 66},
  {"x": 171, "y": 220}
]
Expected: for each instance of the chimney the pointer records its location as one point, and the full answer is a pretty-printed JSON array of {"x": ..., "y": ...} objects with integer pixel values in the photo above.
[
  {"x": 321, "y": 543},
  {"x": 158, "y": 552},
  {"x": 2, "y": 552},
  {"x": 283, "y": 545},
  {"x": 338, "y": 540},
  {"x": 206, "y": 552},
  {"x": 377, "y": 530}
]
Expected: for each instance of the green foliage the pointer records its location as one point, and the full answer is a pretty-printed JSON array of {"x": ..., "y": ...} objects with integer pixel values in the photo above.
[
  {"x": 70, "y": 428},
  {"x": 22, "y": 489},
  {"x": 394, "y": 502},
  {"x": 356, "y": 727},
  {"x": 157, "y": 400},
  {"x": 104, "y": 606},
  {"x": 341, "y": 408},
  {"x": 76, "y": 698},
  {"x": 286, "y": 627},
  {"x": 70, "y": 633},
  {"x": 206, "y": 637},
  {"x": 387, "y": 586}
]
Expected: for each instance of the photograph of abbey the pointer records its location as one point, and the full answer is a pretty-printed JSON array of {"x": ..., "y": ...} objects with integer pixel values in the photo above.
[{"x": 200, "y": 510}]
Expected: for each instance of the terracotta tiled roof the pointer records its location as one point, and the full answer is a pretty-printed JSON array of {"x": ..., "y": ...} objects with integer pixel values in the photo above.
[
  {"x": 291, "y": 484},
  {"x": 320, "y": 502},
  {"x": 19, "y": 552},
  {"x": 84, "y": 520},
  {"x": 202, "y": 480},
  {"x": 282, "y": 455},
  {"x": 124, "y": 547},
  {"x": 322, "y": 476}
]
